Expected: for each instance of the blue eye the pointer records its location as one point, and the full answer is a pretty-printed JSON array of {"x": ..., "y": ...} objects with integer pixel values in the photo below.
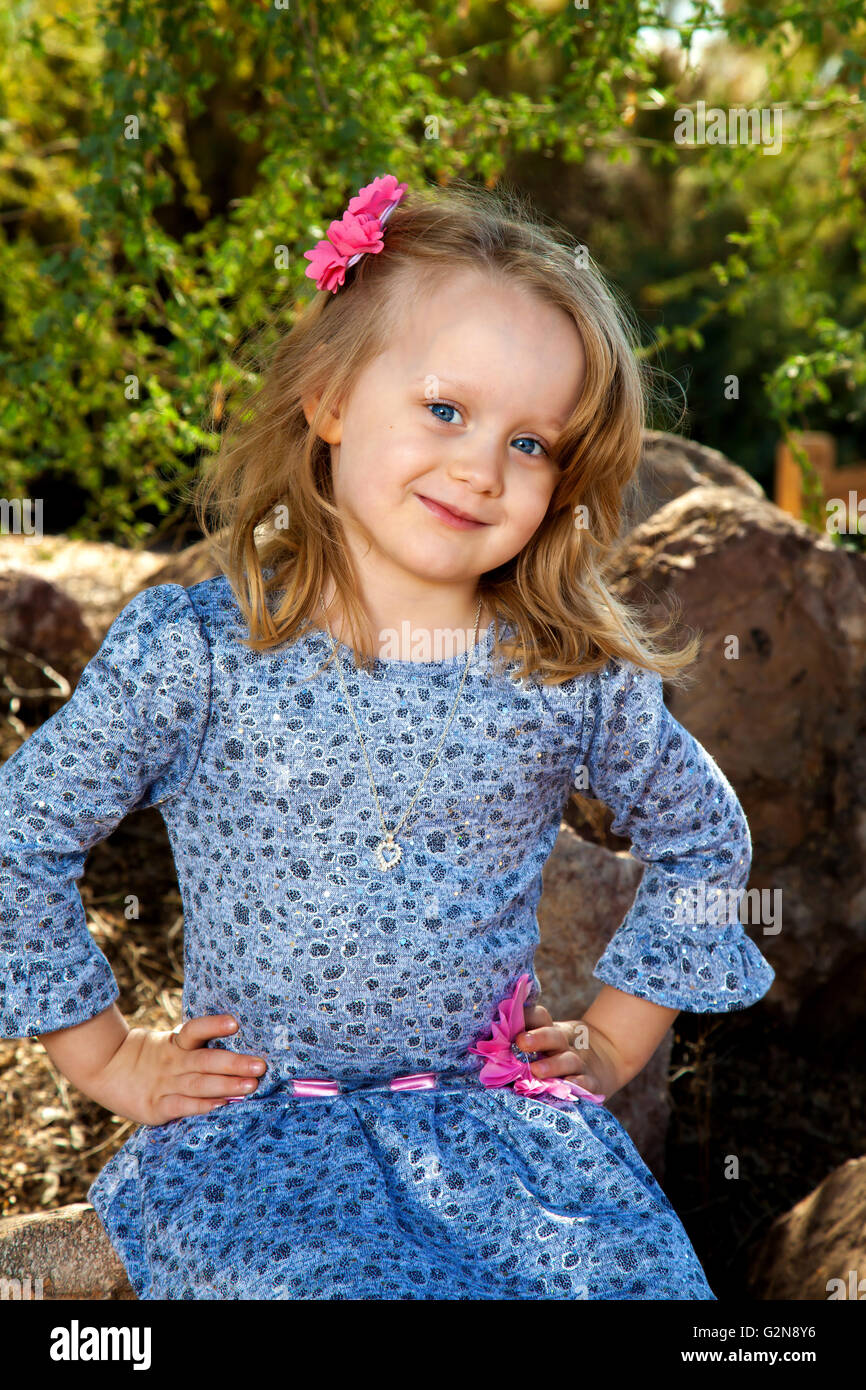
[{"x": 443, "y": 405}]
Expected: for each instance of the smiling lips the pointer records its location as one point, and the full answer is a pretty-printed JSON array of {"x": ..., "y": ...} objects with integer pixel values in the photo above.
[{"x": 459, "y": 521}]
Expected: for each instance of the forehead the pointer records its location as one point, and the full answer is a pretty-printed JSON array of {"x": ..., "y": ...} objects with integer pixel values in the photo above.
[{"x": 492, "y": 345}]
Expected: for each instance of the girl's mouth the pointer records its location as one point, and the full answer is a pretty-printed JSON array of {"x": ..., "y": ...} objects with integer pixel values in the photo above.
[{"x": 460, "y": 523}]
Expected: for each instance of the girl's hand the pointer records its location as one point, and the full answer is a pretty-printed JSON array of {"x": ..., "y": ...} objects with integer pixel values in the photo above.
[
  {"x": 576, "y": 1050},
  {"x": 155, "y": 1076}
]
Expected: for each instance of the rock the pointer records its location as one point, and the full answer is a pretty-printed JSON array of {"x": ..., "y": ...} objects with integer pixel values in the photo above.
[
  {"x": 817, "y": 1250},
  {"x": 39, "y": 618},
  {"x": 777, "y": 699},
  {"x": 671, "y": 466},
  {"x": 68, "y": 1249},
  {"x": 587, "y": 892},
  {"x": 831, "y": 1016}
]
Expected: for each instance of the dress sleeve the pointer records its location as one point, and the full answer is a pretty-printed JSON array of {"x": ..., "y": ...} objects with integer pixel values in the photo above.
[
  {"x": 682, "y": 943},
  {"x": 128, "y": 737}
]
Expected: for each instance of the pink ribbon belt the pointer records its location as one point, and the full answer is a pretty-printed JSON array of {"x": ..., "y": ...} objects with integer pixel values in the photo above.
[{"x": 410, "y": 1081}]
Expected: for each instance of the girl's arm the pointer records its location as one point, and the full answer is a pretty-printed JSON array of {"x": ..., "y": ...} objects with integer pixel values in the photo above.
[
  {"x": 682, "y": 944},
  {"x": 83, "y": 1051},
  {"x": 632, "y": 1029},
  {"x": 613, "y": 1040},
  {"x": 127, "y": 737}
]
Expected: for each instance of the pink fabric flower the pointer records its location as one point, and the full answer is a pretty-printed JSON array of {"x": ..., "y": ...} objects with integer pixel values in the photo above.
[
  {"x": 357, "y": 232},
  {"x": 502, "y": 1068}
]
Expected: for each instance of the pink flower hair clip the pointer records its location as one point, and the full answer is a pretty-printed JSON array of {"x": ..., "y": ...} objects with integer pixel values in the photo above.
[
  {"x": 358, "y": 232},
  {"x": 503, "y": 1068}
]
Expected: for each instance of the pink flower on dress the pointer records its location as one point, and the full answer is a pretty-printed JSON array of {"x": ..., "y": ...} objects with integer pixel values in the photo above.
[
  {"x": 357, "y": 232},
  {"x": 503, "y": 1068}
]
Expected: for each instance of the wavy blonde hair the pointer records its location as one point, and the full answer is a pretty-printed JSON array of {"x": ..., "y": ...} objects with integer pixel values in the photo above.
[{"x": 556, "y": 594}]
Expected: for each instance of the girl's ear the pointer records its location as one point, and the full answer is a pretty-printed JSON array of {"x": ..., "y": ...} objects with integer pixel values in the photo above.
[{"x": 330, "y": 426}]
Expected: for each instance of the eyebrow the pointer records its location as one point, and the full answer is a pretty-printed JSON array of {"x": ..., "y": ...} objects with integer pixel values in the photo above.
[{"x": 466, "y": 388}]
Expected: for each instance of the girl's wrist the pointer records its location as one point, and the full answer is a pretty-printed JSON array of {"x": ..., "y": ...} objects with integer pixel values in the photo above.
[
  {"x": 611, "y": 1070},
  {"x": 83, "y": 1051}
]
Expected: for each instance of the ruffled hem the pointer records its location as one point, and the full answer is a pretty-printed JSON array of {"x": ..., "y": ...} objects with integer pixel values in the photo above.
[
  {"x": 706, "y": 972},
  {"x": 32, "y": 995}
]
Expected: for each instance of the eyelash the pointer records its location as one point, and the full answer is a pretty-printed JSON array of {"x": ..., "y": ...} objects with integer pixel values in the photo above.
[{"x": 450, "y": 406}]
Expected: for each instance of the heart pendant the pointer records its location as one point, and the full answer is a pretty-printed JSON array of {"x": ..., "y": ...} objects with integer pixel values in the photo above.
[{"x": 389, "y": 843}]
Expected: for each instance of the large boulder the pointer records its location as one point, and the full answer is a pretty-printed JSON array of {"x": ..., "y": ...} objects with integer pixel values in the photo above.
[
  {"x": 95, "y": 576},
  {"x": 670, "y": 466},
  {"x": 38, "y": 620},
  {"x": 817, "y": 1250}
]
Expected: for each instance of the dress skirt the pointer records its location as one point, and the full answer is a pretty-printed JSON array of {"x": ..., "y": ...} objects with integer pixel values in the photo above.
[{"x": 459, "y": 1192}]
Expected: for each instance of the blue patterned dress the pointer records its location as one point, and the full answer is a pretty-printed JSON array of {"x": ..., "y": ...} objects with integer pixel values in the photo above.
[{"x": 337, "y": 969}]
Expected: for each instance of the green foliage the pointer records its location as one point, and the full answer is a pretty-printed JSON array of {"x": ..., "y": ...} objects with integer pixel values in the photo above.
[{"x": 164, "y": 167}]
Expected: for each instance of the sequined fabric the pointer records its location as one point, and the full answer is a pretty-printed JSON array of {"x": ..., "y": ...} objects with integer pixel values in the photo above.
[{"x": 336, "y": 969}]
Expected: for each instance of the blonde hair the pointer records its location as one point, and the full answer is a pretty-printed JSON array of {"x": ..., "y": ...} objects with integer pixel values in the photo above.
[{"x": 556, "y": 593}]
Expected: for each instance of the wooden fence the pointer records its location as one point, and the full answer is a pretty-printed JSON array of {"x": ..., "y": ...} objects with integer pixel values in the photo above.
[{"x": 845, "y": 486}]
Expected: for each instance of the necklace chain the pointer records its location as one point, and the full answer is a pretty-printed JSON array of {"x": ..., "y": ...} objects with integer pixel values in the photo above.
[{"x": 388, "y": 844}]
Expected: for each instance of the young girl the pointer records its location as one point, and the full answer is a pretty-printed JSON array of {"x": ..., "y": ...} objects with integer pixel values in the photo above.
[{"x": 359, "y": 1104}]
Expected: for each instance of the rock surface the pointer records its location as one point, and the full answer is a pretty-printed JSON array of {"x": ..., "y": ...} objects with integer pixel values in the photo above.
[
  {"x": 40, "y": 619},
  {"x": 67, "y": 1249},
  {"x": 817, "y": 1250},
  {"x": 97, "y": 575},
  {"x": 671, "y": 466}
]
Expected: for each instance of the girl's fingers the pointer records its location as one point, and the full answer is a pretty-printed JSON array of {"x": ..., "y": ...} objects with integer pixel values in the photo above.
[
  {"x": 550, "y": 1039},
  {"x": 197, "y": 1084},
  {"x": 197, "y": 1031},
  {"x": 536, "y": 1016},
  {"x": 177, "y": 1107},
  {"x": 220, "y": 1062},
  {"x": 562, "y": 1064}
]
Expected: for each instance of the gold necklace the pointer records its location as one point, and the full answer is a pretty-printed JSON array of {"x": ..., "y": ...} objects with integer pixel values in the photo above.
[{"x": 388, "y": 844}]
